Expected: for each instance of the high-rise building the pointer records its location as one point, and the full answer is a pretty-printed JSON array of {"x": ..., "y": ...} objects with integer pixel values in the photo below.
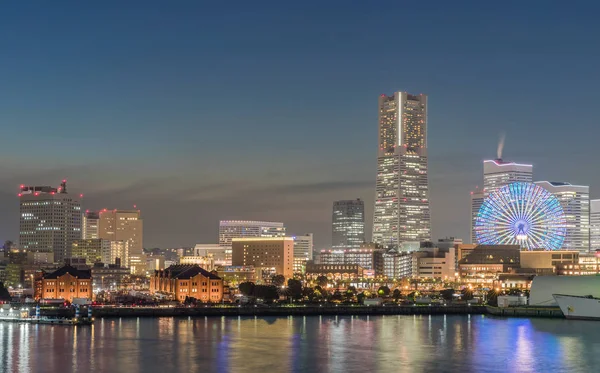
[
  {"x": 348, "y": 224},
  {"x": 116, "y": 252},
  {"x": 122, "y": 225},
  {"x": 89, "y": 226},
  {"x": 595, "y": 224},
  {"x": 477, "y": 197},
  {"x": 498, "y": 173},
  {"x": 575, "y": 201},
  {"x": 90, "y": 249},
  {"x": 50, "y": 220},
  {"x": 271, "y": 255},
  {"x": 303, "y": 251},
  {"x": 230, "y": 229},
  {"x": 401, "y": 212}
]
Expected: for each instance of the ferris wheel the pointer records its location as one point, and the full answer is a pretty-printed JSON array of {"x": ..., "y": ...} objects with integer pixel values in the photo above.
[{"x": 522, "y": 214}]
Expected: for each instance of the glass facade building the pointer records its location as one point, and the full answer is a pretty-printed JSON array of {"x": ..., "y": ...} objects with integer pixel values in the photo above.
[{"x": 348, "y": 224}]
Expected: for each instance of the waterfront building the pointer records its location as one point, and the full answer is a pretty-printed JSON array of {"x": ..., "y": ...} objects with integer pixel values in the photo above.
[
  {"x": 272, "y": 255},
  {"x": 89, "y": 225},
  {"x": 109, "y": 276},
  {"x": 126, "y": 226},
  {"x": 235, "y": 275},
  {"x": 400, "y": 264},
  {"x": 334, "y": 271},
  {"x": 545, "y": 262},
  {"x": 401, "y": 211},
  {"x": 485, "y": 262},
  {"x": 303, "y": 251},
  {"x": 90, "y": 249},
  {"x": 181, "y": 281},
  {"x": 368, "y": 257},
  {"x": 50, "y": 220},
  {"x": 220, "y": 255},
  {"x": 348, "y": 224},
  {"x": 575, "y": 201},
  {"x": 65, "y": 283},
  {"x": 437, "y": 263}
]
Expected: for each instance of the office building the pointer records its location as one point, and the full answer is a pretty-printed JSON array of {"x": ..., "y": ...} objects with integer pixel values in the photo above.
[
  {"x": 187, "y": 281},
  {"x": 368, "y": 257},
  {"x": 90, "y": 249},
  {"x": 498, "y": 173},
  {"x": 126, "y": 226},
  {"x": 89, "y": 225},
  {"x": 230, "y": 229},
  {"x": 594, "y": 225},
  {"x": 437, "y": 263},
  {"x": 334, "y": 271},
  {"x": 348, "y": 224},
  {"x": 109, "y": 276},
  {"x": 303, "y": 251},
  {"x": 400, "y": 264},
  {"x": 544, "y": 262},
  {"x": 50, "y": 220},
  {"x": 485, "y": 262},
  {"x": 401, "y": 211},
  {"x": 65, "y": 283},
  {"x": 220, "y": 255},
  {"x": 271, "y": 255},
  {"x": 205, "y": 262},
  {"x": 116, "y": 252},
  {"x": 575, "y": 201},
  {"x": 477, "y": 197}
]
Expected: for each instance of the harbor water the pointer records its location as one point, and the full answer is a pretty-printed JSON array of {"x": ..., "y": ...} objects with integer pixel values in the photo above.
[{"x": 420, "y": 343}]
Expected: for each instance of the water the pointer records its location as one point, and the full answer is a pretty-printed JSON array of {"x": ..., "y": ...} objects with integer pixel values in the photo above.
[{"x": 305, "y": 344}]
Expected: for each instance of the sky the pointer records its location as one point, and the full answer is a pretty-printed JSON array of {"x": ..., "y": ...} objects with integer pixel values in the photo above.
[{"x": 204, "y": 111}]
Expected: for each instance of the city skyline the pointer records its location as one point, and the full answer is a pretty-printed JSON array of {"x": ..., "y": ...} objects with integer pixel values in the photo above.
[{"x": 338, "y": 75}]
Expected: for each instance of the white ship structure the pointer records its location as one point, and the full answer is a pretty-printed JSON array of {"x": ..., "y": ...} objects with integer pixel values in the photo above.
[{"x": 579, "y": 307}]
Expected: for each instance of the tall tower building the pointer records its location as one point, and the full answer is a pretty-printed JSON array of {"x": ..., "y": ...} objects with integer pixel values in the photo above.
[
  {"x": 89, "y": 226},
  {"x": 348, "y": 224},
  {"x": 230, "y": 229},
  {"x": 50, "y": 220},
  {"x": 303, "y": 251},
  {"x": 496, "y": 174},
  {"x": 575, "y": 201},
  {"x": 477, "y": 197},
  {"x": 595, "y": 224},
  {"x": 401, "y": 212},
  {"x": 126, "y": 226}
]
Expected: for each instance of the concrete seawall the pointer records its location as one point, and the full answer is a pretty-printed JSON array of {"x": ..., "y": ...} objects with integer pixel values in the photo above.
[{"x": 286, "y": 311}]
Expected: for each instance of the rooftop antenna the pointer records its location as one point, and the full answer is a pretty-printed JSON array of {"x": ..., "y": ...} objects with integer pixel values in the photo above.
[{"x": 63, "y": 186}]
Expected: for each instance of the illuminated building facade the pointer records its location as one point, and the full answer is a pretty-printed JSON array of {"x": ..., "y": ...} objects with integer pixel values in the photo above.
[
  {"x": 89, "y": 225},
  {"x": 220, "y": 255},
  {"x": 126, "y": 226},
  {"x": 594, "y": 225},
  {"x": 401, "y": 212},
  {"x": 477, "y": 197},
  {"x": 65, "y": 283},
  {"x": 348, "y": 224},
  {"x": 271, "y": 255},
  {"x": 230, "y": 229},
  {"x": 50, "y": 220},
  {"x": 181, "y": 281},
  {"x": 303, "y": 251},
  {"x": 116, "y": 252},
  {"x": 90, "y": 249},
  {"x": 498, "y": 173},
  {"x": 575, "y": 201}
]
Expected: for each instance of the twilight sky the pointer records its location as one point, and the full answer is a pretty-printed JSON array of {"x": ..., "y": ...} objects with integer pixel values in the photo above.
[{"x": 197, "y": 111}]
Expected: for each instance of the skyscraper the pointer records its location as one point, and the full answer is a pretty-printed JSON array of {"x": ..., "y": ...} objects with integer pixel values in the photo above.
[
  {"x": 50, "y": 220},
  {"x": 303, "y": 251},
  {"x": 496, "y": 174},
  {"x": 477, "y": 197},
  {"x": 575, "y": 201},
  {"x": 595, "y": 224},
  {"x": 401, "y": 212},
  {"x": 348, "y": 224},
  {"x": 126, "y": 226},
  {"x": 229, "y": 229}
]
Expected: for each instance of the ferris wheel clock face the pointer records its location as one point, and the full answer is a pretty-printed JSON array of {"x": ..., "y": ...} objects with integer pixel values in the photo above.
[{"x": 521, "y": 214}]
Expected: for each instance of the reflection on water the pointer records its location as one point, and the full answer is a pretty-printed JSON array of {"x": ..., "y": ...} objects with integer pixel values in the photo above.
[{"x": 304, "y": 344}]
